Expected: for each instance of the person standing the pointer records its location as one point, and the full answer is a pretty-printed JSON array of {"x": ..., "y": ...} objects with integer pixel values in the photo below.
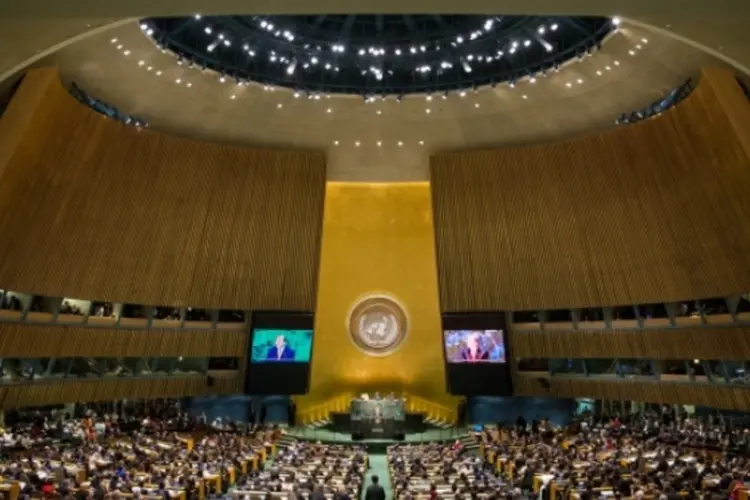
[{"x": 375, "y": 491}]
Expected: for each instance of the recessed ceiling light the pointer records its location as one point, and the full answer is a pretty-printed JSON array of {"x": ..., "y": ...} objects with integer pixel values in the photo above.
[
  {"x": 617, "y": 63},
  {"x": 141, "y": 63},
  {"x": 233, "y": 97},
  {"x": 127, "y": 52},
  {"x": 279, "y": 105},
  {"x": 400, "y": 143},
  {"x": 598, "y": 73},
  {"x": 149, "y": 68},
  {"x": 114, "y": 40},
  {"x": 631, "y": 52},
  {"x": 189, "y": 84},
  {"x": 421, "y": 143},
  {"x": 380, "y": 143},
  {"x": 462, "y": 93},
  {"x": 608, "y": 68},
  {"x": 580, "y": 81},
  {"x": 178, "y": 80},
  {"x": 428, "y": 111},
  {"x": 158, "y": 73},
  {"x": 378, "y": 112},
  {"x": 476, "y": 104},
  {"x": 568, "y": 84},
  {"x": 532, "y": 80},
  {"x": 356, "y": 144},
  {"x": 524, "y": 96},
  {"x": 222, "y": 79},
  {"x": 329, "y": 110},
  {"x": 335, "y": 143},
  {"x": 644, "y": 40},
  {"x": 119, "y": 47},
  {"x": 638, "y": 47},
  {"x": 429, "y": 97}
]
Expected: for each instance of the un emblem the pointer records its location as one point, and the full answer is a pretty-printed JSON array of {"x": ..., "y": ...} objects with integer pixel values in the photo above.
[{"x": 377, "y": 325}]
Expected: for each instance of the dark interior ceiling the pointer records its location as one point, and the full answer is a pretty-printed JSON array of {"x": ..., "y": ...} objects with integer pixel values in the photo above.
[{"x": 379, "y": 54}]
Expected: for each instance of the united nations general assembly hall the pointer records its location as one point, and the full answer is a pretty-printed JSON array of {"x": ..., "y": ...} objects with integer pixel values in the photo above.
[{"x": 380, "y": 250}]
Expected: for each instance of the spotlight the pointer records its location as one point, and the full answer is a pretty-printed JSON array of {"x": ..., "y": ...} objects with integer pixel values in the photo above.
[
  {"x": 616, "y": 21},
  {"x": 292, "y": 67}
]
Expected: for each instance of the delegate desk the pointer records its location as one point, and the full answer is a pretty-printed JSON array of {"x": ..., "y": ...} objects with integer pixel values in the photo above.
[{"x": 377, "y": 418}]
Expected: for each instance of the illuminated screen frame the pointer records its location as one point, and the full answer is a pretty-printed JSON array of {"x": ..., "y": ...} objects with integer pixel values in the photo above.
[
  {"x": 262, "y": 354},
  {"x": 478, "y": 379},
  {"x": 485, "y": 352},
  {"x": 287, "y": 378}
]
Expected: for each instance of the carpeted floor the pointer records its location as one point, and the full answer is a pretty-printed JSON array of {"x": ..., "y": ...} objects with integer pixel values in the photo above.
[{"x": 379, "y": 467}]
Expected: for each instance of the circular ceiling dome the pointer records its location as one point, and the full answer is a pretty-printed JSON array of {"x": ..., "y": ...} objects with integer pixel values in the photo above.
[{"x": 377, "y": 55}]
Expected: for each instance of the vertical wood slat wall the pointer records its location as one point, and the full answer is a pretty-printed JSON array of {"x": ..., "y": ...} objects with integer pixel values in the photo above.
[
  {"x": 31, "y": 341},
  {"x": 82, "y": 390},
  {"x": 716, "y": 343},
  {"x": 91, "y": 207},
  {"x": 652, "y": 212},
  {"x": 709, "y": 395}
]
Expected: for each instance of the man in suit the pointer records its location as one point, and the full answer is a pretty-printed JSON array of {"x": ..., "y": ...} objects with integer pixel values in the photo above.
[
  {"x": 375, "y": 491},
  {"x": 280, "y": 351}
]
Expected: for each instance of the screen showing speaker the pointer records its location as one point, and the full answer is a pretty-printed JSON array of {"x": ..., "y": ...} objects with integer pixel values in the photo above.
[
  {"x": 275, "y": 345},
  {"x": 279, "y": 353},
  {"x": 474, "y": 346},
  {"x": 476, "y": 354}
]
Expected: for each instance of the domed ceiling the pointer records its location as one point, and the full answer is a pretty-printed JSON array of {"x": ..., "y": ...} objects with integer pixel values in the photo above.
[
  {"x": 381, "y": 130},
  {"x": 379, "y": 54}
]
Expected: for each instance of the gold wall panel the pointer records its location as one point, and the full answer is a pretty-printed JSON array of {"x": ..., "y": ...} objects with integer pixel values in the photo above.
[
  {"x": 91, "y": 207},
  {"x": 377, "y": 240},
  {"x": 651, "y": 212},
  {"x": 31, "y": 341},
  {"x": 712, "y": 396},
  {"x": 83, "y": 391}
]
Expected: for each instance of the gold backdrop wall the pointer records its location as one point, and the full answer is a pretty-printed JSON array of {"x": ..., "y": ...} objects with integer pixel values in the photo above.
[{"x": 377, "y": 240}]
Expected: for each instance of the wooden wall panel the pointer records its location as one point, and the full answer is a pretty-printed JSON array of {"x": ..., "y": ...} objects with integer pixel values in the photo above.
[
  {"x": 713, "y": 396},
  {"x": 84, "y": 391},
  {"x": 93, "y": 208},
  {"x": 32, "y": 341},
  {"x": 712, "y": 343},
  {"x": 651, "y": 212}
]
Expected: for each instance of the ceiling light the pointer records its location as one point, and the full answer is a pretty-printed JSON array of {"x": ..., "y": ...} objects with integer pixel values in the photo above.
[
  {"x": 141, "y": 63},
  {"x": 598, "y": 73},
  {"x": 400, "y": 143},
  {"x": 532, "y": 80},
  {"x": 580, "y": 81},
  {"x": 144, "y": 26},
  {"x": 644, "y": 40},
  {"x": 397, "y": 52},
  {"x": 459, "y": 39},
  {"x": 553, "y": 27},
  {"x": 179, "y": 80},
  {"x": 616, "y": 21},
  {"x": 149, "y": 68},
  {"x": 335, "y": 143},
  {"x": 378, "y": 112},
  {"x": 541, "y": 30},
  {"x": 617, "y": 63},
  {"x": 462, "y": 93},
  {"x": 568, "y": 84},
  {"x": 476, "y": 104},
  {"x": 127, "y": 52},
  {"x": 524, "y": 96},
  {"x": 380, "y": 143},
  {"x": 527, "y": 43},
  {"x": 197, "y": 16},
  {"x": 428, "y": 111},
  {"x": 223, "y": 79},
  {"x": 233, "y": 97},
  {"x": 189, "y": 84},
  {"x": 631, "y": 52},
  {"x": 429, "y": 97},
  {"x": 208, "y": 30},
  {"x": 356, "y": 144},
  {"x": 114, "y": 40},
  {"x": 292, "y": 66},
  {"x": 158, "y": 73},
  {"x": 607, "y": 68},
  {"x": 296, "y": 95},
  {"x": 119, "y": 47},
  {"x": 421, "y": 143},
  {"x": 329, "y": 110}
]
